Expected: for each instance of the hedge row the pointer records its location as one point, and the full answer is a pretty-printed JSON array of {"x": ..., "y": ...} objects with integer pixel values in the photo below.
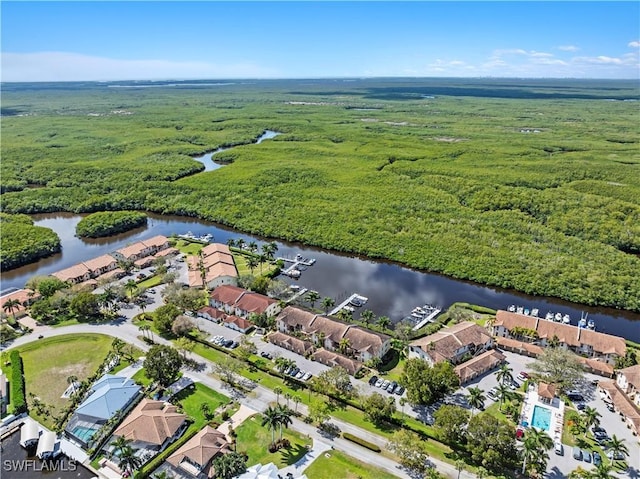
[
  {"x": 18, "y": 393},
  {"x": 362, "y": 442},
  {"x": 154, "y": 463}
]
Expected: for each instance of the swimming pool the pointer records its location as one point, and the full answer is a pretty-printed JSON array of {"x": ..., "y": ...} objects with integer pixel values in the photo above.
[
  {"x": 83, "y": 433},
  {"x": 541, "y": 418}
]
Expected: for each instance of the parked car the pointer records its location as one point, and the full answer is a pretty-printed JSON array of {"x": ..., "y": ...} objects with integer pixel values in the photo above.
[
  {"x": 400, "y": 390},
  {"x": 597, "y": 458},
  {"x": 491, "y": 394},
  {"x": 514, "y": 385},
  {"x": 152, "y": 291},
  {"x": 379, "y": 383},
  {"x": 385, "y": 384},
  {"x": 392, "y": 387},
  {"x": 616, "y": 456},
  {"x": 265, "y": 354},
  {"x": 581, "y": 406},
  {"x": 577, "y": 454},
  {"x": 300, "y": 374},
  {"x": 307, "y": 376},
  {"x": 234, "y": 344},
  {"x": 373, "y": 380},
  {"x": 522, "y": 376},
  {"x": 294, "y": 371},
  {"x": 586, "y": 455},
  {"x": 558, "y": 448},
  {"x": 610, "y": 407}
]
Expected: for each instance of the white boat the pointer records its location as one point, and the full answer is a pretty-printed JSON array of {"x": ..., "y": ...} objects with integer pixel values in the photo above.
[
  {"x": 520, "y": 310},
  {"x": 512, "y": 308},
  {"x": 348, "y": 308},
  {"x": 298, "y": 257},
  {"x": 591, "y": 324},
  {"x": 534, "y": 312},
  {"x": 582, "y": 323},
  {"x": 566, "y": 319},
  {"x": 549, "y": 316},
  {"x": 558, "y": 317},
  {"x": 428, "y": 313}
]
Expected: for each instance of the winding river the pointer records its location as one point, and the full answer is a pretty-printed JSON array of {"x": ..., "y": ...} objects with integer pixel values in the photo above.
[
  {"x": 211, "y": 165},
  {"x": 393, "y": 290}
]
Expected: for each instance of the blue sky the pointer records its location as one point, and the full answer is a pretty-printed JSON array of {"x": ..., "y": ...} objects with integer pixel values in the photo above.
[{"x": 66, "y": 41}]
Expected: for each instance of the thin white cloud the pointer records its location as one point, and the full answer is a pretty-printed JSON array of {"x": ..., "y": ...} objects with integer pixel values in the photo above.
[
  {"x": 568, "y": 48},
  {"x": 64, "y": 66},
  {"x": 634, "y": 44}
]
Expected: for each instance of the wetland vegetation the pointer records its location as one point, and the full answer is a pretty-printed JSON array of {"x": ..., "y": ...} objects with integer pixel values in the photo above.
[
  {"x": 23, "y": 242},
  {"x": 522, "y": 184},
  {"x": 107, "y": 223}
]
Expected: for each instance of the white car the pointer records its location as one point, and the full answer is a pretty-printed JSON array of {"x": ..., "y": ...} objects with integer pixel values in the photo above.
[{"x": 558, "y": 448}]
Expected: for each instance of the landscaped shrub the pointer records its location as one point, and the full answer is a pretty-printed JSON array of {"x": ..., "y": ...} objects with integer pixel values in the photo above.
[
  {"x": 18, "y": 394},
  {"x": 362, "y": 442}
]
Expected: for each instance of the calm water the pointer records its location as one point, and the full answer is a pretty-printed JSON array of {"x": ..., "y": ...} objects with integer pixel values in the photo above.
[
  {"x": 210, "y": 164},
  {"x": 392, "y": 289}
]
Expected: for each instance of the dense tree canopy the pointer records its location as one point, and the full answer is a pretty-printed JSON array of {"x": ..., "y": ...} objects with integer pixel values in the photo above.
[
  {"x": 491, "y": 442},
  {"x": 527, "y": 186},
  {"x": 162, "y": 364},
  {"x": 427, "y": 384},
  {"x": 107, "y": 223},
  {"x": 23, "y": 243},
  {"x": 558, "y": 366}
]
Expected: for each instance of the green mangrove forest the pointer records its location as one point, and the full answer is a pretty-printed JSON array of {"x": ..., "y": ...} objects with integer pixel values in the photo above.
[
  {"x": 23, "y": 242},
  {"x": 532, "y": 185},
  {"x": 107, "y": 223}
]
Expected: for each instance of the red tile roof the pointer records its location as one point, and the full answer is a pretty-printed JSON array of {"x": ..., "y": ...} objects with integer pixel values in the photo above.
[
  {"x": 201, "y": 449},
  {"x": 442, "y": 345},
  {"x": 227, "y": 294},
  {"x": 103, "y": 261},
  {"x": 152, "y": 422},
  {"x": 243, "y": 324},
  {"x": 71, "y": 273}
]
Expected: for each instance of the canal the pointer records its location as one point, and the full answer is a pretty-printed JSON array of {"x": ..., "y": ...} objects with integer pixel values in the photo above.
[{"x": 392, "y": 290}]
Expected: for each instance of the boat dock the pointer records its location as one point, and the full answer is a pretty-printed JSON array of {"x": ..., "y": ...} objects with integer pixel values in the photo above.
[
  {"x": 422, "y": 315},
  {"x": 301, "y": 292},
  {"x": 355, "y": 299},
  {"x": 293, "y": 271}
]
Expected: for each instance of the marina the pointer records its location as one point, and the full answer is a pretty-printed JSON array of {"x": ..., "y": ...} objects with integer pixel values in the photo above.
[
  {"x": 349, "y": 304},
  {"x": 551, "y": 316},
  {"x": 393, "y": 290},
  {"x": 298, "y": 264},
  {"x": 422, "y": 315}
]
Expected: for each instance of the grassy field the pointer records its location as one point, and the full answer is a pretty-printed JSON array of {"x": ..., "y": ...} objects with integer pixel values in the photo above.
[
  {"x": 524, "y": 184},
  {"x": 254, "y": 440},
  {"x": 336, "y": 464},
  {"x": 49, "y": 362},
  {"x": 192, "y": 399}
]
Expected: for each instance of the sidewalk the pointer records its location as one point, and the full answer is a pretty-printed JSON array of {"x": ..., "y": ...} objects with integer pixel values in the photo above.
[{"x": 305, "y": 461}]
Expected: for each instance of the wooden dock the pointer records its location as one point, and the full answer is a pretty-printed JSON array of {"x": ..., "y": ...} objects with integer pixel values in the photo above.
[
  {"x": 293, "y": 271},
  {"x": 346, "y": 302}
]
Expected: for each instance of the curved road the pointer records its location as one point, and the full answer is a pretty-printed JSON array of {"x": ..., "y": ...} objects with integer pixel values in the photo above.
[{"x": 258, "y": 398}]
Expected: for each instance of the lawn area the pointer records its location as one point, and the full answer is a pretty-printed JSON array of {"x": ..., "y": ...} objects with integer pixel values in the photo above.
[
  {"x": 188, "y": 248},
  {"x": 49, "y": 362},
  {"x": 150, "y": 282},
  {"x": 343, "y": 466},
  {"x": 243, "y": 268},
  {"x": 254, "y": 440},
  {"x": 191, "y": 399},
  {"x": 141, "y": 378}
]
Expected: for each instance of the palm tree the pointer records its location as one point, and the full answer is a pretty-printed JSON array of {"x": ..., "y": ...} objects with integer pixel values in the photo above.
[
  {"x": 252, "y": 263},
  {"x": 11, "y": 306},
  {"x": 271, "y": 419},
  {"x": 400, "y": 346},
  {"x": 535, "y": 445},
  {"x": 283, "y": 363},
  {"x": 231, "y": 242},
  {"x": 284, "y": 417},
  {"x": 367, "y": 316},
  {"x": 327, "y": 304},
  {"x": 617, "y": 446},
  {"x": 297, "y": 400},
  {"x": 459, "y": 466},
  {"x": 603, "y": 471},
  {"x": 119, "y": 444},
  {"x": 345, "y": 315},
  {"x": 384, "y": 322},
  {"x": 312, "y": 297},
  {"x": 240, "y": 243},
  {"x": 129, "y": 462},
  {"x": 227, "y": 466},
  {"x": 579, "y": 427},
  {"x": 163, "y": 475},
  {"x": 287, "y": 396},
  {"x": 504, "y": 374},
  {"x": 253, "y": 246},
  {"x": 476, "y": 399},
  {"x": 278, "y": 391},
  {"x": 206, "y": 410},
  {"x": 131, "y": 286},
  {"x": 591, "y": 416},
  {"x": 343, "y": 346},
  {"x": 143, "y": 328},
  {"x": 503, "y": 392}
]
